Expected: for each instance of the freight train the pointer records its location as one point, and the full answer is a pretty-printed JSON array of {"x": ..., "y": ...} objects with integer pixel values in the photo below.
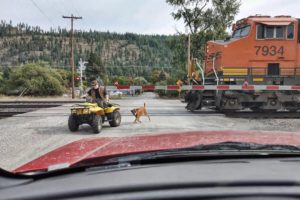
[{"x": 257, "y": 68}]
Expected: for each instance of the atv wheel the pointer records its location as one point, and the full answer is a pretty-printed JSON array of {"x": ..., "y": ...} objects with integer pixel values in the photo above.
[
  {"x": 96, "y": 124},
  {"x": 194, "y": 101},
  {"x": 116, "y": 119},
  {"x": 73, "y": 124}
]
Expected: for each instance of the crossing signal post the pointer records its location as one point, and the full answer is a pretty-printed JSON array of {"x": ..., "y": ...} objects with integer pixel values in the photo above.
[{"x": 82, "y": 67}]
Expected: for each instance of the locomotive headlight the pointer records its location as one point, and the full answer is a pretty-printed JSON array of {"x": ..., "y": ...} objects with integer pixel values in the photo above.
[
  {"x": 232, "y": 102},
  {"x": 273, "y": 103}
]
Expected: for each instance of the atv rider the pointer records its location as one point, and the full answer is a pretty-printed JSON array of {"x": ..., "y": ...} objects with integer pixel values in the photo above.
[{"x": 98, "y": 94}]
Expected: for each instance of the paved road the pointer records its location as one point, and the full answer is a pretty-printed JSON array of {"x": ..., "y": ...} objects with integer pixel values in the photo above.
[{"x": 28, "y": 136}]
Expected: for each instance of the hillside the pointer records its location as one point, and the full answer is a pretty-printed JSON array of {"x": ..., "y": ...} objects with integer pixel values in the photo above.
[{"x": 23, "y": 44}]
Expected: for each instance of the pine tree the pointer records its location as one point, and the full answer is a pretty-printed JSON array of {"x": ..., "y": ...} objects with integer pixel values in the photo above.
[{"x": 95, "y": 68}]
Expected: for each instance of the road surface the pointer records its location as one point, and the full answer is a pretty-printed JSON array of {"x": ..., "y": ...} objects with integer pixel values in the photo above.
[{"x": 27, "y": 136}]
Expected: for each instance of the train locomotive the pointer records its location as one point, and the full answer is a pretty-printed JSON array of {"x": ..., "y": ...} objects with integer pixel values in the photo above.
[{"x": 257, "y": 68}]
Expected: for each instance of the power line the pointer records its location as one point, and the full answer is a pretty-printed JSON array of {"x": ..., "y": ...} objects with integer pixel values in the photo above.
[
  {"x": 41, "y": 11},
  {"x": 70, "y": 8},
  {"x": 57, "y": 7},
  {"x": 74, "y": 8}
]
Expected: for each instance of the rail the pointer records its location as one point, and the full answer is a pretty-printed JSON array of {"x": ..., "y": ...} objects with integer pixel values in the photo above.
[{"x": 147, "y": 88}]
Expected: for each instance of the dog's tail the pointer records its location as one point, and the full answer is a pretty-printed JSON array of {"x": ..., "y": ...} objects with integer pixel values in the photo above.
[{"x": 144, "y": 105}]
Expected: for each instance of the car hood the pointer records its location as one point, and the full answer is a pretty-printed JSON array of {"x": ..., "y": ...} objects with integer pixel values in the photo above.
[{"x": 83, "y": 150}]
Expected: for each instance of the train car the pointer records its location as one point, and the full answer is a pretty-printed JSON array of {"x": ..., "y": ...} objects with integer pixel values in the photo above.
[{"x": 263, "y": 51}]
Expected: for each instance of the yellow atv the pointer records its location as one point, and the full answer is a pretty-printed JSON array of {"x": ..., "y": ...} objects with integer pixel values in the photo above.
[{"x": 95, "y": 116}]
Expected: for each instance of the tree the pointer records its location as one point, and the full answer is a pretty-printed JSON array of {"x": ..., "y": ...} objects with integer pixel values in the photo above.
[
  {"x": 178, "y": 59},
  {"x": 140, "y": 81},
  {"x": 6, "y": 72},
  {"x": 155, "y": 76},
  {"x": 36, "y": 80},
  {"x": 204, "y": 15},
  {"x": 205, "y": 19},
  {"x": 162, "y": 76},
  {"x": 1, "y": 78},
  {"x": 66, "y": 76},
  {"x": 122, "y": 80},
  {"x": 95, "y": 68}
]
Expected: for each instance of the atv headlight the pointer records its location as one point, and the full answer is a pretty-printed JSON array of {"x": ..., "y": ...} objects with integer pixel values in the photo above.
[
  {"x": 73, "y": 111},
  {"x": 86, "y": 111}
]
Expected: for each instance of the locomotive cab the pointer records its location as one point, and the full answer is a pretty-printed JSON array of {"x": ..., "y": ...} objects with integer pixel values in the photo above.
[{"x": 262, "y": 50}]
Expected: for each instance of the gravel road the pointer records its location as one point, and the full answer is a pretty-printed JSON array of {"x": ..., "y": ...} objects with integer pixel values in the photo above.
[{"x": 27, "y": 136}]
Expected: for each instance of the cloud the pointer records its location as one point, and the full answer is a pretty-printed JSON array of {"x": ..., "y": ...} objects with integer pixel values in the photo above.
[
  {"x": 267, "y": 7},
  {"x": 139, "y": 16}
]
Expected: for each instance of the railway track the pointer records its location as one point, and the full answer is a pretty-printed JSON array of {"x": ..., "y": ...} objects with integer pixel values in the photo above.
[
  {"x": 12, "y": 108},
  {"x": 15, "y": 107},
  {"x": 262, "y": 115},
  {"x": 245, "y": 115},
  {"x": 37, "y": 103}
]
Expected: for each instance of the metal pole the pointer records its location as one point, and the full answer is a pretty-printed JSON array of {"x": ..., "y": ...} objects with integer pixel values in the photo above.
[
  {"x": 81, "y": 68},
  {"x": 189, "y": 57},
  {"x": 214, "y": 68}
]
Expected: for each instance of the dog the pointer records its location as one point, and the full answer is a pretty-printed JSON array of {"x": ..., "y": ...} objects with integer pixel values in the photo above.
[{"x": 139, "y": 112}]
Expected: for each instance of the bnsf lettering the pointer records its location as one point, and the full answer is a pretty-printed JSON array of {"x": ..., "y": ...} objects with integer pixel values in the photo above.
[{"x": 269, "y": 50}]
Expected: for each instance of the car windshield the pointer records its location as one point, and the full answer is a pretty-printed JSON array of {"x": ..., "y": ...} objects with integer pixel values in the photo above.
[
  {"x": 241, "y": 32},
  {"x": 84, "y": 82}
]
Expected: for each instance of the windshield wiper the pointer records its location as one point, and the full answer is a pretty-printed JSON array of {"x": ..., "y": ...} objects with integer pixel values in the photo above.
[
  {"x": 206, "y": 151},
  {"x": 240, "y": 146}
]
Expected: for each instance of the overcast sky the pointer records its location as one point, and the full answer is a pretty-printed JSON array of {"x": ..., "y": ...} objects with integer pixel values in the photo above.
[{"x": 138, "y": 16}]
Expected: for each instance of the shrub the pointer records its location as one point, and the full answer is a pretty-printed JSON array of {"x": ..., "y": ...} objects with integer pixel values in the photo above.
[{"x": 38, "y": 80}]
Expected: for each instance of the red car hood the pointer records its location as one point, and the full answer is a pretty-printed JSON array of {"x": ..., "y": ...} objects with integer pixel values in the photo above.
[{"x": 89, "y": 149}]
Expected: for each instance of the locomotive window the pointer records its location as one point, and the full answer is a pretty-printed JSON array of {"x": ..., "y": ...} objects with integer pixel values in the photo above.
[
  {"x": 274, "y": 32},
  {"x": 260, "y": 31},
  {"x": 279, "y": 32},
  {"x": 290, "y": 31},
  {"x": 269, "y": 32},
  {"x": 242, "y": 32}
]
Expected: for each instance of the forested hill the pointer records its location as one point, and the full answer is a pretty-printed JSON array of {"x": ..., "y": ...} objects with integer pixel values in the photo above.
[{"x": 24, "y": 44}]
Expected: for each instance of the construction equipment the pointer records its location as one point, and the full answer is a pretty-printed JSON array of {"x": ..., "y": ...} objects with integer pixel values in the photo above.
[{"x": 258, "y": 68}]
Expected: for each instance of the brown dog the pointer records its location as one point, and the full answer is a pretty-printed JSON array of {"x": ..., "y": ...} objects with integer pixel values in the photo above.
[{"x": 139, "y": 112}]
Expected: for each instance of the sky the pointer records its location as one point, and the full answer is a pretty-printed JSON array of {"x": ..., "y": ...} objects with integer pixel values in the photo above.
[{"x": 136, "y": 16}]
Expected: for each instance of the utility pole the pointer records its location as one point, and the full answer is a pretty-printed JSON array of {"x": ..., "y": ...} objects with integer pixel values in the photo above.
[{"x": 72, "y": 52}]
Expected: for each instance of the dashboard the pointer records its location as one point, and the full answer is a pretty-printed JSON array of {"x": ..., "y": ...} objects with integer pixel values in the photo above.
[{"x": 269, "y": 178}]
